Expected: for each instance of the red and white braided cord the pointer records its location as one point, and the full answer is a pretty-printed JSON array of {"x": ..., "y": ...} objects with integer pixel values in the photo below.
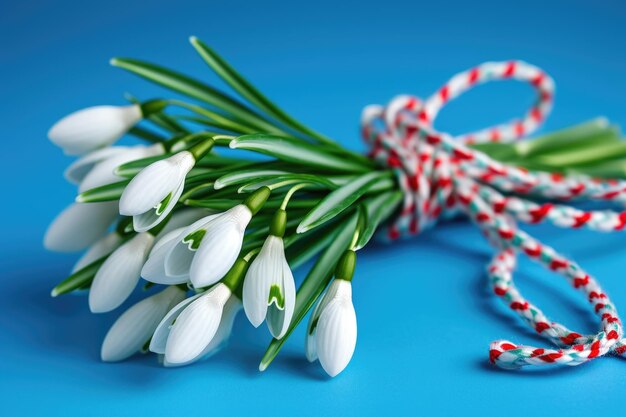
[{"x": 440, "y": 174}]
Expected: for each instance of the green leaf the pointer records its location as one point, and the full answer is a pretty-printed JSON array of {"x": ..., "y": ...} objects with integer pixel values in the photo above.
[
  {"x": 132, "y": 168},
  {"x": 79, "y": 279},
  {"x": 238, "y": 177},
  {"x": 192, "y": 88},
  {"x": 146, "y": 134},
  {"x": 378, "y": 208},
  {"x": 289, "y": 149},
  {"x": 314, "y": 284},
  {"x": 249, "y": 92},
  {"x": 225, "y": 204},
  {"x": 568, "y": 137},
  {"x": 109, "y": 192},
  {"x": 340, "y": 199},
  {"x": 288, "y": 179}
]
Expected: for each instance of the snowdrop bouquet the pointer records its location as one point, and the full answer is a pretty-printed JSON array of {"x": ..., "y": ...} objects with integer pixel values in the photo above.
[{"x": 218, "y": 230}]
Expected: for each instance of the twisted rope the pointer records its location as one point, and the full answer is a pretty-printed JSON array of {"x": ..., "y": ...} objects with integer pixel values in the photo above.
[{"x": 440, "y": 175}]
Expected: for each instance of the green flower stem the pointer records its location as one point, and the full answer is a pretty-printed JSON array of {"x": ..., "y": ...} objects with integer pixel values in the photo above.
[
  {"x": 203, "y": 147},
  {"x": 151, "y": 107},
  {"x": 346, "y": 265},
  {"x": 257, "y": 199},
  {"x": 279, "y": 223},
  {"x": 234, "y": 277},
  {"x": 290, "y": 193}
]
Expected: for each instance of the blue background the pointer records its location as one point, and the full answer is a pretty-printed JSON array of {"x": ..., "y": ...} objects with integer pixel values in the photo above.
[{"x": 425, "y": 314}]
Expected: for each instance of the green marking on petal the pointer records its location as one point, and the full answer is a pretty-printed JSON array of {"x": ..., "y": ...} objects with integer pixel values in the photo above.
[
  {"x": 160, "y": 208},
  {"x": 276, "y": 297},
  {"x": 194, "y": 239}
]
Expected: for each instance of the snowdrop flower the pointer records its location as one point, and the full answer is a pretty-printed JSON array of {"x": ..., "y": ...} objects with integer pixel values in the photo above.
[
  {"x": 79, "y": 169},
  {"x": 154, "y": 191},
  {"x": 79, "y": 226},
  {"x": 220, "y": 340},
  {"x": 100, "y": 126},
  {"x": 207, "y": 249},
  {"x": 103, "y": 172},
  {"x": 154, "y": 268},
  {"x": 196, "y": 322},
  {"x": 132, "y": 329},
  {"x": 269, "y": 290},
  {"x": 119, "y": 274},
  {"x": 94, "y": 127},
  {"x": 331, "y": 333},
  {"x": 102, "y": 247}
]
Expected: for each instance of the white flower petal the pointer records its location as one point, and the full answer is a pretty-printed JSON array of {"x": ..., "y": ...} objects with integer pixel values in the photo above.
[
  {"x": 336, "y": 335},
  {"x": 183, "y": 218},
  {"x": 103, "y": 173},
  {"x": 219, "y": 247},
  {"x": 93, "y": 127},
  {"x": 265, "y": 271},
  {"x": 153, "y": 183},
  {"x": 133, "y": 328},
  {"x": 220, "y": 340},
  {"x": 79, "y": 226},
  {"x": 278, "y": 320},
  {"x": 178, "y": 259},
  {"x": 146, "y": 221},
  {"x": 103, "y": 246},
  {"x": 81, "y": 167},
  {"x": 196, "y": 326},
  {"x": 159, "y": 338},
  {"x": 154, "y": 268},
  {"x": 119, "y": 274}
]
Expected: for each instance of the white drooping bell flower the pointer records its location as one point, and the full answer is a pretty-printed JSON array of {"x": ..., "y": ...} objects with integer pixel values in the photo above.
[
  {"x": 103, "y": 172},
  {"x": 218, "y": 342},
  {"x": 207, "y": 249},
  {"x": 154, "y": 191},
  {"x": 154, "y": 268},
  {"x": 102, "y": 247},
  {"x": 79, "y": 169},
  {"x": 94, "y": 127},
  {"x": 269, "y": 290},
  {"x": 187, "y": 332},
  {"x": 133, "y": 329},
  {"x": 79, "y": 226},
  {"x": 119, "y": 274},
  {"x": 332, "y": 330}
]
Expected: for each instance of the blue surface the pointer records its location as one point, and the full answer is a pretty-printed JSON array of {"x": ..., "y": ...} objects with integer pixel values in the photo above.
[{"x": 422, "y": 350}]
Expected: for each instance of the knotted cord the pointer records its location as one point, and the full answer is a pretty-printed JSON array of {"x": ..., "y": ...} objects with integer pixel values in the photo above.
[{"x": 440, "y": 175}]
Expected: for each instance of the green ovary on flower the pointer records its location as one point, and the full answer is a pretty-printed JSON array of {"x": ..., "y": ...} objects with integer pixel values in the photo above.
[
  {"x": 276, "y": 297},
  {"x": 194, "y": 239}
]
